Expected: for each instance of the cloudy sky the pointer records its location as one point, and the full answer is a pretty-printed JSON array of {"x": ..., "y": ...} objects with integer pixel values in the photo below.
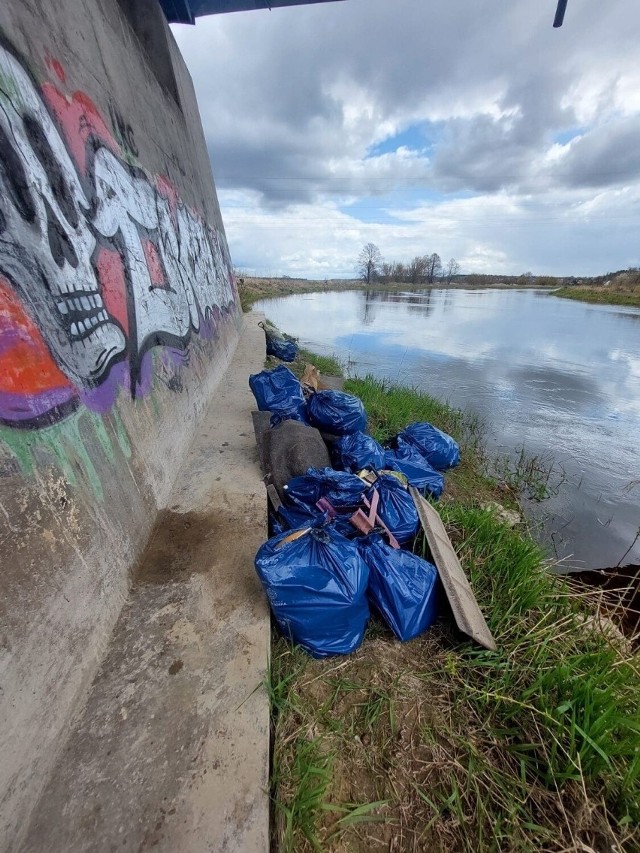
[{"x": 471, "y": 128}]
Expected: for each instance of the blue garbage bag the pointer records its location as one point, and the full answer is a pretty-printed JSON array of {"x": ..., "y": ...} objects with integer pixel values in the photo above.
[
  {"x": 295, "y": 517},
  {"x": 402, "y": 587},
  {"x": 440, "y": 449},
  {"x": 275, "y": 524},
  {"x": 279, "y": 391},
  {"x": 407, "y": 459},
  {"x": 357, "y": 451},
  {"x": 317, "y": 588},
  {"x": 337, "y": 412},
  {"x": 282, "y": 349},
  {"x": 299, "y": 413},
  {"x": 339, "y": 487},
  {"x": 279, "y": 347},
  {"x": 395, "y": 507}
]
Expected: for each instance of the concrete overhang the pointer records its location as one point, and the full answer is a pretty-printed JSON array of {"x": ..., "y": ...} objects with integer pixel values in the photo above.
[{"x": 186, "y": 11}]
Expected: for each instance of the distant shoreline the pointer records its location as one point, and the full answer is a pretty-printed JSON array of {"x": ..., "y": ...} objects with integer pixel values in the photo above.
[{"x": 253, "y": 289}]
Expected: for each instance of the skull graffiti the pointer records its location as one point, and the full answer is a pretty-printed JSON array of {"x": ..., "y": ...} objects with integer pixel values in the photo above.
[{"x": 46, "y": 245}]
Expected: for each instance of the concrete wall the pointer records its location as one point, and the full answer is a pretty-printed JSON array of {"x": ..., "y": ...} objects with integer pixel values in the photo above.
[{"x": 118, "y": 314}]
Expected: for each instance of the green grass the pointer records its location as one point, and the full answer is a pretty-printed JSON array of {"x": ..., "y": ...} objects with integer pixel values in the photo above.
[
  {"x": 439, "y": 745},
  {"x": 310, "y": 777},
  {"x": 329, "y": 365},
  {"x": 247, "y": 300},
  {"x": 533, "y": 747},
  {"x": 563, "y": 696},
  {"x": 537, "y": 476},
  {"x": 390, "y": 408},
  {"x": 600, "y": 295}
]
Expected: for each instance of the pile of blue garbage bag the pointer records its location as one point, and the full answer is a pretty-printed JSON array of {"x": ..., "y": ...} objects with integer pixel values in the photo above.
[{"x": 341, "y": 538}]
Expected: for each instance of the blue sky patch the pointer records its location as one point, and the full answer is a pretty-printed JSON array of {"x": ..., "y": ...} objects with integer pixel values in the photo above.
[
  {"x": 417, "y": 137},
  {"x": 376, "y": 208},
  {"x": 566, "y": 136}
]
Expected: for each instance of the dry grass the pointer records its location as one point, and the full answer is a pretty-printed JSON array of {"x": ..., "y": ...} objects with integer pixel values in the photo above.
[
  {"x": 253, "y": 289},
  {"x": 622, "y": 289}
]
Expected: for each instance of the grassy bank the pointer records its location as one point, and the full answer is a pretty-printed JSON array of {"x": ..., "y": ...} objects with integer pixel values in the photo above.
[
  {"x": 253, "y": 289},
  {"x": 601, "y": 295},
  {"x": 436, "y": 745}
]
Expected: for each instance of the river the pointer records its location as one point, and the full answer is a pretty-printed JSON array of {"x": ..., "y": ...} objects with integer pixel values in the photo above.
[{"x": 559, "y": 377}]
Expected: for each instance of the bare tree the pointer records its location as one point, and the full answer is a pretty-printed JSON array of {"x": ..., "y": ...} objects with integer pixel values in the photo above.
[
  {"x": 369, "y": 261},
  {"x": 434, "y": 267},
  {"x": 452, "y": 269},
  {"x": 399, "y": 271},
  {"x": 418, "y": 269},
  {"x": 393, "y": 271},
  {"x": 386, "y": 272}
]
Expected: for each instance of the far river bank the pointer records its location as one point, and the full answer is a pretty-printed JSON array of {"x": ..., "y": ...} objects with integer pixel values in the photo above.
[
  {"x": 621, "y": 289},
  {"x": 252, "y": 289}
]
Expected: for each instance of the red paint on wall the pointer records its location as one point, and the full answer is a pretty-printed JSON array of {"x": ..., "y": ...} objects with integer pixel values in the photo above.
[
  {"x": 57, "y": 68},
  {"x": 26, "y": 365},
  {"x": 111, "y": 275},
  {"x": 167, "y": 189},
  {"x": 79, "y": 120},
  {"x": 154, "y": 264}
]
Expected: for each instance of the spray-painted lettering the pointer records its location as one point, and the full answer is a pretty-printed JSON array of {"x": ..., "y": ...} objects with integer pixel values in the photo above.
[{"x": 99, "y": 261}]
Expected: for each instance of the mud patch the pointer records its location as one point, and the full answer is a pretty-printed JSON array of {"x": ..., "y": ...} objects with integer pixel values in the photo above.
[{"x": 181, "y": 544}]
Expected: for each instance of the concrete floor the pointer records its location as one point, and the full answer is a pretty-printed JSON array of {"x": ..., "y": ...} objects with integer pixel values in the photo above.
[{"x": 171, "y": 750}]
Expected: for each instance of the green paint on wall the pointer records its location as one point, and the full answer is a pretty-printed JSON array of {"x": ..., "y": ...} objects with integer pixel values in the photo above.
[
  {"x": 103, "y": 437},
  {"x": 74, "y": 445},
  {"x": 27, "y": 447},
  {"x": 19, "y": 443},
  {"x": 121, "y": 433},
  {"x": 68, "y": 445}
]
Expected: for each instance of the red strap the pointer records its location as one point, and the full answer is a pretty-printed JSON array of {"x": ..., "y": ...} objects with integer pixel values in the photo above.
[{"x": 373, "y": 516}]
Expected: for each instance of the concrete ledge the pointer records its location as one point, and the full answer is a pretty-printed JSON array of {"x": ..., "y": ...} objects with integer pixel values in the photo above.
[{"x": 172, "y": 748}]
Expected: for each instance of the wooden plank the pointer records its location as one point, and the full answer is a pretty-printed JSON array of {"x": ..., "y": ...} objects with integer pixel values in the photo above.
[{"x": 467, "y": 614}]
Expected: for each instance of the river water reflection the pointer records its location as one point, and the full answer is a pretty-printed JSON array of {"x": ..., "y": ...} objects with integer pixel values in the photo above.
[{"x": 554, "y": 375}]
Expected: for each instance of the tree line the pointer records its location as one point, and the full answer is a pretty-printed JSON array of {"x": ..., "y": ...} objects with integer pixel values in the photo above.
[{"x": 423, "y": 269}]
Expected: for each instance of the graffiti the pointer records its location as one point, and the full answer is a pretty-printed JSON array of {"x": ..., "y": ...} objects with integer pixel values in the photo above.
[
  {"x": 99, "y": 261},
  {"x": 123, "y": 131}
]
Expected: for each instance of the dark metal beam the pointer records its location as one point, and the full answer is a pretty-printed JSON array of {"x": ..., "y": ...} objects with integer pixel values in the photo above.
[
  {"x": 559, "y": 18},
  {"x": 186, "y": 11},
  {"x": 178, "y": 11}
]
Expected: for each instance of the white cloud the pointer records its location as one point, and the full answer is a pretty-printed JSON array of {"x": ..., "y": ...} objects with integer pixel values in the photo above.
[{"x": 292, "y": 101}]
